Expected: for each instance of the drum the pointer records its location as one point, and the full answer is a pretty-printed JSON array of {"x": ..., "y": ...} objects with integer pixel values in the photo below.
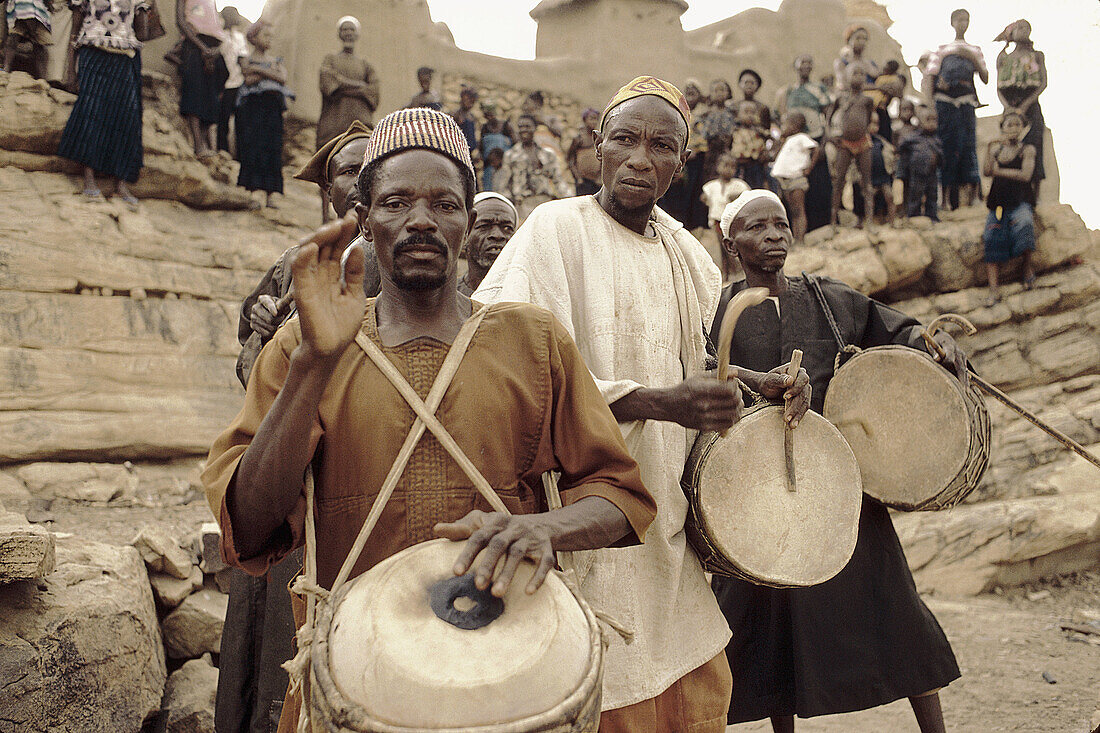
[
  {"x": 920, "y": 437},
  {"x": 407, "y": 646},
  {"x": 747, "y": 517},
  {"x": 743, "y": 519}
]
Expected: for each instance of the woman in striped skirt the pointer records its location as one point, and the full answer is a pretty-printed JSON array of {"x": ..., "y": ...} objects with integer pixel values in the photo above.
[{"x": 104, "y": 129}]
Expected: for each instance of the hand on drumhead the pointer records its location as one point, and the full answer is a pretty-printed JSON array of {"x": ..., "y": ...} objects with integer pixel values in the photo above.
[
  {"x": 511, "y": 538},
  {"x": 777, "y": 384},
  {"x": 953, "y": 358}
]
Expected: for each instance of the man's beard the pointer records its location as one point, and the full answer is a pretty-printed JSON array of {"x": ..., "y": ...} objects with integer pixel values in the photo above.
[{"x": 418, "y": 282}]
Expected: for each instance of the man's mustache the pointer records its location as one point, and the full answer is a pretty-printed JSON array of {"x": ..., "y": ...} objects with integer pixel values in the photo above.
[{"x": 421, "y": 238}]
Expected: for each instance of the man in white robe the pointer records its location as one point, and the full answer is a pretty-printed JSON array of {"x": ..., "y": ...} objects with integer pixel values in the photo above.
[{"x": 637, "y": 292}]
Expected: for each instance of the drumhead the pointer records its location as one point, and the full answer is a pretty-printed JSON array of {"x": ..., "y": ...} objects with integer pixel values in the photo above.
[
  {"x": 906, "y": 420},
  {"x": 772, "y": 534},
  {"x": 393, "y": 657}
]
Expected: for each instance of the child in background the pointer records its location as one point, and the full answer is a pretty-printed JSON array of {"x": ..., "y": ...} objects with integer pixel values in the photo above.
[
  {"x": 854, "y": 114},
  {"x": 752, "y": 125},
  {"x": 1009, "y": 228},
  {"x": 719, "y": 192},
  {"x": 493, "y": 162},
  {"x": 798, "y": 154},
  {"x": 882, "y": 178},
  {"x": 888, "y": 84},
  {"x": 904, "y": 124},
  {"x": 922, "y": 155}
]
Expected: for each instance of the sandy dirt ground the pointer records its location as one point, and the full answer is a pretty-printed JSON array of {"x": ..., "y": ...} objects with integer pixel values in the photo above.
[{"x": 1004, "y": 643}]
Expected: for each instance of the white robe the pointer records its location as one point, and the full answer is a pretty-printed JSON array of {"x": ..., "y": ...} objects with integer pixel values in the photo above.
[{"x": 636, "y": 307}]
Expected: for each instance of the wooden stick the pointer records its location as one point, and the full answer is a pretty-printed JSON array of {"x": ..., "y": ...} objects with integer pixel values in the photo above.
[
  {"x": 788, "y": 431},
  {"x": 737, "y": 305}
]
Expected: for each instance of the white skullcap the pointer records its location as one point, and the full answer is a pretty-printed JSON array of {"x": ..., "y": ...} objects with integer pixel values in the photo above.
[
  {"x": 484, "y": 195},
  {"x": 349, "y": 19},
  {"x": 733, "y": 208}
]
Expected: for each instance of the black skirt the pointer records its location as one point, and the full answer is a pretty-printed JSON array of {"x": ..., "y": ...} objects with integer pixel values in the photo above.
[
  {"x": 201, "y": 89},
  {"x": 104, "y": 128},
  {"x": 260, "y": 141},
  {"x": 860, "y": 640}
]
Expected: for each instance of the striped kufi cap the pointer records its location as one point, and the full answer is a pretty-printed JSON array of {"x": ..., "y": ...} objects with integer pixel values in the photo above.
[{"x": 420, "y": 127}]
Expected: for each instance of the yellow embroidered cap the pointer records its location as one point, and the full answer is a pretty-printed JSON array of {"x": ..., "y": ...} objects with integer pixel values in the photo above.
[{"x": 649, "y": 86}]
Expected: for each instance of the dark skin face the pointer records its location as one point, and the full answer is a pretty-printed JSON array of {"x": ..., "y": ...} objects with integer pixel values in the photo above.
[
  {"x": 417, "y": 221},
  {"x": 859, "y": 40},
  {"x": 494, "y": 226},
  {"x": 525, "y": 129},
  {"x": 343, "y": 171},
  {"x": 748, "y": 85},
  {"x": 960, "y": 22},
  {"x": 761, "y": 237},
  {"x": 719, "y": 92},
  {"x": 425, "y": 81},
  {"x": 348, "y": 35},
  {"x": 805, "y": 68},
  {"x": 692, "y": 95},
  {"x": 641, "y": 149}
]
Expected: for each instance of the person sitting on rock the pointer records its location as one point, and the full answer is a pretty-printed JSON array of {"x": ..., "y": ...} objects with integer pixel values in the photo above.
[
  {"x": 28, "y": 23},
  {"x": 1010, "y": 227}
]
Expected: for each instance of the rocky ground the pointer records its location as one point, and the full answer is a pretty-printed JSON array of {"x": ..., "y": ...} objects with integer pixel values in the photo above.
[{"x": 117, "y": 345}]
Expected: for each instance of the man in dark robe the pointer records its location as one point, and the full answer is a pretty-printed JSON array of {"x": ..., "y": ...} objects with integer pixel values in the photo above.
[{"x": 863, "y": 638}]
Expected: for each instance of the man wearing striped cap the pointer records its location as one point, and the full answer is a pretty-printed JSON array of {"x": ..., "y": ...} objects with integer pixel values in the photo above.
[
  {"x": 318, "y": 397},
  {"x": 638, "y": 292}
]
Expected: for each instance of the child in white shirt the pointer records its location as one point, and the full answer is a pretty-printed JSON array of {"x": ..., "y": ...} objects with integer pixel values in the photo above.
[
  {"x": 798, "y": 154},
  {"x": 716, "y": 194}
]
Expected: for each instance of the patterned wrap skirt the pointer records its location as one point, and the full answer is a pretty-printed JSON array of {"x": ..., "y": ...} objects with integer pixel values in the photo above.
[{"x": 104, "y": 128}]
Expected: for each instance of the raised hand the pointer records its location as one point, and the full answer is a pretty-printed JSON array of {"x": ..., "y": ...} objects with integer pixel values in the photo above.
[{"x": 330, "y": 303}]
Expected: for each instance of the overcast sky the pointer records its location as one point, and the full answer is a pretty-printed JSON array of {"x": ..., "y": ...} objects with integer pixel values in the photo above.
[{"x": 1068, "y": 31}]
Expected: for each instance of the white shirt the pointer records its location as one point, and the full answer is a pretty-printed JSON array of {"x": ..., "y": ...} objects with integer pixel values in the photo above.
[
  {"x": 636, "y": 306},
  {"x": 794, "y": 156},
  {"x": 717, "y": 194}
]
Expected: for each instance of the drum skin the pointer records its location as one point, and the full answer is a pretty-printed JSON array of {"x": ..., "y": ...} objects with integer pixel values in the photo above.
[
  {"x": 745, "y": 522},
  {"x": 382, "y": 661},
  {"x": 921, "y": 439}
]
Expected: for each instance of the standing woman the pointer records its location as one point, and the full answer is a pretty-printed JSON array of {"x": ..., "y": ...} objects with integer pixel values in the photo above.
[
  {"x": 203, "y": 71},
  {"x": 717, "y": 127},
  {"x": 814, "y": 101},
  {"x": 1010, "y": 227},
  {"x": 682, "y": 200},
  {"x": 1021, "y": 78},
  {"x": 260, "y": 107},
  {"x": 855, "y": 40},
  {"x": 104, "y": 129}
]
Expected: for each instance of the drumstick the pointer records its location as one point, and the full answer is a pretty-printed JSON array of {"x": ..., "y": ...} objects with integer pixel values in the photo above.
[
  {"x": 1000, "y": 396},
  {"x": 737, "y": 305},
  {"x": 788, "y": 431}
]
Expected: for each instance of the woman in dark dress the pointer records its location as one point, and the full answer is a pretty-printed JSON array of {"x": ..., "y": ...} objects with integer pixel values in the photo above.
[
  {"x": 682, "y": 200},
  {"x": 863, "y": 638},
  {"x": 202, "y": 68},
  {"x": 260, "y": 106},
  {"x": 103, "y": 132},
  {"x": 1021, "y": 78}
]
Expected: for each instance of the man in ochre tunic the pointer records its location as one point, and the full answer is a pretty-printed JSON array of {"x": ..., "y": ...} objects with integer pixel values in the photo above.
[{"x": 521, "y": 403}]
